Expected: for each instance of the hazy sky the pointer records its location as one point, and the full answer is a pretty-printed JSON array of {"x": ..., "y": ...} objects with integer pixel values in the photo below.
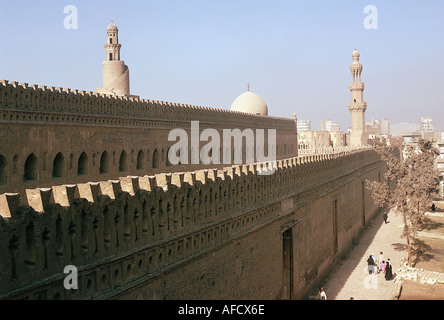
[{"x": 294, "y": 53}]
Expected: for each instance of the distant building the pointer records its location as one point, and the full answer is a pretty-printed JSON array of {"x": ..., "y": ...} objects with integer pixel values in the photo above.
[
  {"x": 385, "y": 126},
  {"x": 303, "y": 125},
  {"x": 376, "y": 129},
  {"x": 373, "y": 123},
  {"x": 338, "y": 138},
  {"x": 326, "y": 125},
  {"x": 438, "y": 136},
  {"x": 315, "y": 139},
  {"x": 404, "y": 128},
  {"x": 426, "y": 124},
  {"x": 329, "y": 125},
  {"x": 440, "y": 164},
  {"x": 335, "y": 127},
  {"x": 382, "y": 126}
]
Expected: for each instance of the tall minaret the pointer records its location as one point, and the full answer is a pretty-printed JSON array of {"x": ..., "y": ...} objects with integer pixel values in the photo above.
[
  {"x": 115, "y": 72},
  {"x": 357, "y": 106}
]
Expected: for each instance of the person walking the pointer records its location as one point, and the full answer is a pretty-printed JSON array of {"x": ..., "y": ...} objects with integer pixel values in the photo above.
[
  {"x": 322, "y": 295},
  {"x": 375, "y": 266},
  {"x": 380, "y": 260},
  {"x": 382, "y": 267},
  {"x": 388, "y": 271},
  {"x": 370, "y": 264},
  {"x": 385, "y": 215}
]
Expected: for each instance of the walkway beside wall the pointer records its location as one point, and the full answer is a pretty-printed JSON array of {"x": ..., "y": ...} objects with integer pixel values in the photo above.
[{"x": 350, "y": 277}]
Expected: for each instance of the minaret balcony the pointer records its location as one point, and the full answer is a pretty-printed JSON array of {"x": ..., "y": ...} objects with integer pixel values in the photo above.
[
  {"x": 357, "y": 106},
  {"x": 113, "y": 46},
  {"x": 357, "y": 86}
]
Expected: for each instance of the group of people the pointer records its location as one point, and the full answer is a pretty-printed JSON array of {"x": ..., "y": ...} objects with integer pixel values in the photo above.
[{"x": 377, "y": 265}]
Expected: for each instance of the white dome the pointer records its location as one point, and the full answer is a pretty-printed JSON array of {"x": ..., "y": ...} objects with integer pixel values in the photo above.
[{"x": 250, "y": 102}]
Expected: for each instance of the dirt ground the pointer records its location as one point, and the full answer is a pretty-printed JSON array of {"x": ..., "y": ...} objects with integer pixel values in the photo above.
[
  {"x": 430, "y": 257},
  {"x": 413, "y": 290}
]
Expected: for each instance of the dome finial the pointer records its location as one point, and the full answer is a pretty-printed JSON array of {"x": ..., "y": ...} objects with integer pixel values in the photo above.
[
  {"x": 248, "y": 86},
  {"x": 112, "y": 26}
]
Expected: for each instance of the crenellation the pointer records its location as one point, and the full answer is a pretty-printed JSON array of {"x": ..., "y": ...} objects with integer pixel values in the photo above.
[
  {"x": 110, "y": 188},
  {"x": 130, "y": 184},
  {"x": 222, "y": 174},
  {"x": 202, "y": 176},
  {"x": 229, "y": 172},
  {"x": 9, "y": 203},
  {"x": 177, "y": 179},
  {"x": 212, "y": 174},
  {"x": 89, "y": 191},
  {"x": 190, "y": 178},
  {"x": 245, "y": 169},
  {"x": 39, "y": 199},
  {"x": 163, "y": 180},
  {"x": 287, "y": 163},
  {"x": 237, "y": 170}
]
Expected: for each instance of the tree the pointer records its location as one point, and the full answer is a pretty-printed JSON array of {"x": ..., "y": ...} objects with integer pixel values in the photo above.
[{"x": 416, "y": 184}]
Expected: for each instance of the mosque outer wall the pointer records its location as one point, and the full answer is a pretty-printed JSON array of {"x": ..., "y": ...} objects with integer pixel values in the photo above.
[
  {"x": 209, "y": 234},
  {"x": 65, "y": 126}
]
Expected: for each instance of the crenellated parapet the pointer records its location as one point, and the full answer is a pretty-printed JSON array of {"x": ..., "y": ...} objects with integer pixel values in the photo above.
[
  {"x": 52, "y": 135},
  {"x": 128, "y": 230},
  {"x": 78, "y": 106}
]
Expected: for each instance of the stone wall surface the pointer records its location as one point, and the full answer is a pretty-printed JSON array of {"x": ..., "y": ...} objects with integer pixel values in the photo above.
[
  {"x": 206, "y": 234},
  {"x": 85, "y": 181},
  {"x": 51, "y": 136}
]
